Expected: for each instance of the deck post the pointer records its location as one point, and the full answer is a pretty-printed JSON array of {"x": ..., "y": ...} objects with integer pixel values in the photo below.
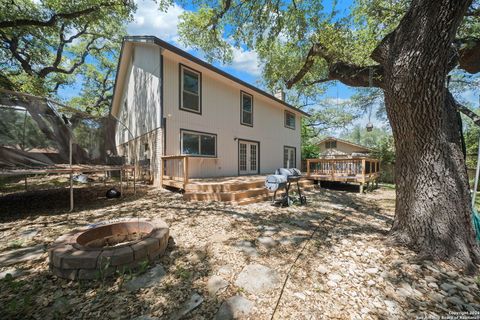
[
  {"x": 121, "y": 182},
  {"x": 162, "y": 166},
  {"x": 185, "y": 173},
  {"x": 308, "y": 167},
  {"x": 134, "y": 182},
  {"x": 333, "y": 170},
  {"x": 70, "y": 156},
  {"x": 363, "y": 175}
]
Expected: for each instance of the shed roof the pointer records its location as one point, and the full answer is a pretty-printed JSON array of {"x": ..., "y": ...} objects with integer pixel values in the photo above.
[{"x": 346, "y": 142}]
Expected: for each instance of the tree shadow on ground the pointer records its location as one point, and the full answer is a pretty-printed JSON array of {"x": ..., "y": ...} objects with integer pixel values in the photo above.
[
  {"x": 37, "y": 293},
  {"x": 345, "y": 214},
  {"x": 30, "y": 204}
]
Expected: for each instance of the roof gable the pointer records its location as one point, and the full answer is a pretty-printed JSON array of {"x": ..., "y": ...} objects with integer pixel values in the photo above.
[
  {"x": 167, "y": 46},
  {"x": 346, "y": 142}
]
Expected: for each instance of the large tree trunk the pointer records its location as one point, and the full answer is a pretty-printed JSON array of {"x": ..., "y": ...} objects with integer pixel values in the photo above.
[{"x": 433, "y": 212}]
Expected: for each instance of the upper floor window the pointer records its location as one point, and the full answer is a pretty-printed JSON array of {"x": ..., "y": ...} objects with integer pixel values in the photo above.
[
  {"x": 190, "y": 90},
  {"x": 246, "y": 113},
  {"x": 331, "y": 144},
  {"x": 290, "y": 120}
]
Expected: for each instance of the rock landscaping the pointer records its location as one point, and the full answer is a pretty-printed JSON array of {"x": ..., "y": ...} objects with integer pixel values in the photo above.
[{"x": 228, "y": 262}]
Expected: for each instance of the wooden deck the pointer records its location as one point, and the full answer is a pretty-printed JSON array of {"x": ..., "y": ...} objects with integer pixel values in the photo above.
[
  {"x": 238, "y": 190},
  {"x": 362, "y": 171}
]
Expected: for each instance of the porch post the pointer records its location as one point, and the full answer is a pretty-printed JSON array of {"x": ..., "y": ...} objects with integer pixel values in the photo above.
[{"x": 185, "y": 172}]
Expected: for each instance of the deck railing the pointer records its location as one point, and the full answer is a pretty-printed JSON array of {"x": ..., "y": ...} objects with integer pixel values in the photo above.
[
  {"x": 359, "y": 169},
  {"x": 175, "y": 170}
]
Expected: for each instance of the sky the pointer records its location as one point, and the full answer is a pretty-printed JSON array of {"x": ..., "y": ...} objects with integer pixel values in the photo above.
[{"x": 148, "y": 20}]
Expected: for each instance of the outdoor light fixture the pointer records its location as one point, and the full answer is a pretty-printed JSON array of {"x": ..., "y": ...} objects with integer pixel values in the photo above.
[{"x": 369, "y": 127}]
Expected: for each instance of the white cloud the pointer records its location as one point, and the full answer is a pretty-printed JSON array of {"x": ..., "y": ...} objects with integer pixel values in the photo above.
[
  {"x": 245, "y": 61},
  {"x": 148, "y": 20}
]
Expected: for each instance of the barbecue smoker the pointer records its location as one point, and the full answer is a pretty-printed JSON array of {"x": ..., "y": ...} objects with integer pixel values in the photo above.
[{"x": 282, "y": 180}]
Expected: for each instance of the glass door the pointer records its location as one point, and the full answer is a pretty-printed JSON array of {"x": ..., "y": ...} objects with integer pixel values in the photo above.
[{"x": 248, "y": 157}]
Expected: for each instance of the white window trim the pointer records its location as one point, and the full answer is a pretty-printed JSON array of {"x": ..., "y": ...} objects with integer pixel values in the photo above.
[
  {"x": 182, "y": 131},
  {"x": 199, "y": 94}
]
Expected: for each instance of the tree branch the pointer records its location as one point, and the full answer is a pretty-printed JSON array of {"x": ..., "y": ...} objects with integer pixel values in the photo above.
[
  {"x": 14, "y": 50},
  {"x": 317, "y": 50},
  {"x": 469, "y": 113},
  {"x": 347, "y": 73},
  {"x": 54, "y": 68},
  {"x": 356, "y": 76},
  {"x": 473, "y": 13},
  {"x": 55, "y": 17}
]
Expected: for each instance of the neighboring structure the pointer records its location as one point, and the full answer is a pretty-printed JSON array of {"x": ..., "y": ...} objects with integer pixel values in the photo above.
[
  {"x": 331, "y": 147},
  {"x": 186, "y": 118},
  {"x": 344, "y": 161}
]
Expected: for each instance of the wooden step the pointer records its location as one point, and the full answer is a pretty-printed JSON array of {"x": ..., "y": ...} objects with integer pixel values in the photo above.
[
  {"x": 260, "y": 198},
  {"x": 224, "y": 187},
  {"x": 232, "y": 186},
  {"x": 224, "y": 196},
  {"x": 242, "y": 196},
  {"x": 263, "y": 198}
]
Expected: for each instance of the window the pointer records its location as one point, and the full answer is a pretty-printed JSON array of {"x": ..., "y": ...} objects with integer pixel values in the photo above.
[
  {"x": 246, "y": 112},
  {"x": 190, "y": 90},
  {"x": 198, "y": 143},
  {"x": 331, "y": 144},
  {"x": 289, "y": 157},
  {"x": 290, "y": 120}
]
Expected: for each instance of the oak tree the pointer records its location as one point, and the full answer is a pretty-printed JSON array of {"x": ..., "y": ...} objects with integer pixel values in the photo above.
[{"x": 406, "y": 49}]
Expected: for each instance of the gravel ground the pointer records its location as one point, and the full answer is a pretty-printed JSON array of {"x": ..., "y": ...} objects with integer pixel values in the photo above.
[{"x": 344, "y": 269}]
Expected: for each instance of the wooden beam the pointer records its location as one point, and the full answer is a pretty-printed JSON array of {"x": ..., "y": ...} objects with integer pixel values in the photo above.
[{"x": 185, "y": 172}]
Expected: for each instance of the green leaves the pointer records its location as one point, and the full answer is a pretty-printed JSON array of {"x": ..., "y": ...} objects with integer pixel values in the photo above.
[{"x": 45, "y": 44}]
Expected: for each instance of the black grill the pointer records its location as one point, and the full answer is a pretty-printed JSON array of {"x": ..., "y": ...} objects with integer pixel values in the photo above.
[{"x": 282, "y": 180}]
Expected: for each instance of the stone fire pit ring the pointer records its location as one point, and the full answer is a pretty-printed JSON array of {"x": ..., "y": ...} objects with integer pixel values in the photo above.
[{"x": 91, "y": 253}]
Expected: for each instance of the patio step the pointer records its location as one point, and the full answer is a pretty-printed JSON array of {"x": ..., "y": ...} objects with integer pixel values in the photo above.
[
  {"x": 225, "y": 187},
  {"x": 243, "y": 193},
  {"x": 225, "y": 196}
]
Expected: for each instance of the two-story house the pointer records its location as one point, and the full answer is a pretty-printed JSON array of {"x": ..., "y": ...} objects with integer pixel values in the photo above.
[{"x": 170, "y": 104}]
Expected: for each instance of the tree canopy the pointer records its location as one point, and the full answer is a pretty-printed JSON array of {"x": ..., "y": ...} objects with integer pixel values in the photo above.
[
  {"x": 48, "y": 44},
  {"x": 305, "y": 43}
]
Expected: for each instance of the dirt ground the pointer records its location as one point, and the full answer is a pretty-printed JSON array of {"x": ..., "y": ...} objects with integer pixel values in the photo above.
[{"x": 343, "y": 267}]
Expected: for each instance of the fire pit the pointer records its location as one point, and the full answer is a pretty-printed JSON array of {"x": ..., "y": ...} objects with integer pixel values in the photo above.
[{"x": 95, "y": 252}]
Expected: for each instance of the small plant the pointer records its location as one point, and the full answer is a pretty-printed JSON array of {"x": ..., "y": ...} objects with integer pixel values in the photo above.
[
  {"x": 102, "y": 272},
  {"x": 15, "y": 244},
  {"x": 183, "y": 273},
  {"x": 125, "y": 272},
  {"x": 142, "y": 268}
]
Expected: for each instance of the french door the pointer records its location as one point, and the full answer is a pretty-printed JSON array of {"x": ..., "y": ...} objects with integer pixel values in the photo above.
[
  {"x": 289, "y": 157},
  {"x": 248, "y": 152}
]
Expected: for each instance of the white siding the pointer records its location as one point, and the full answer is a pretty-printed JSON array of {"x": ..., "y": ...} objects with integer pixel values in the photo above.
[
  {"x": 221, "y": 116},
  {"x": 141, "y": 96}
]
